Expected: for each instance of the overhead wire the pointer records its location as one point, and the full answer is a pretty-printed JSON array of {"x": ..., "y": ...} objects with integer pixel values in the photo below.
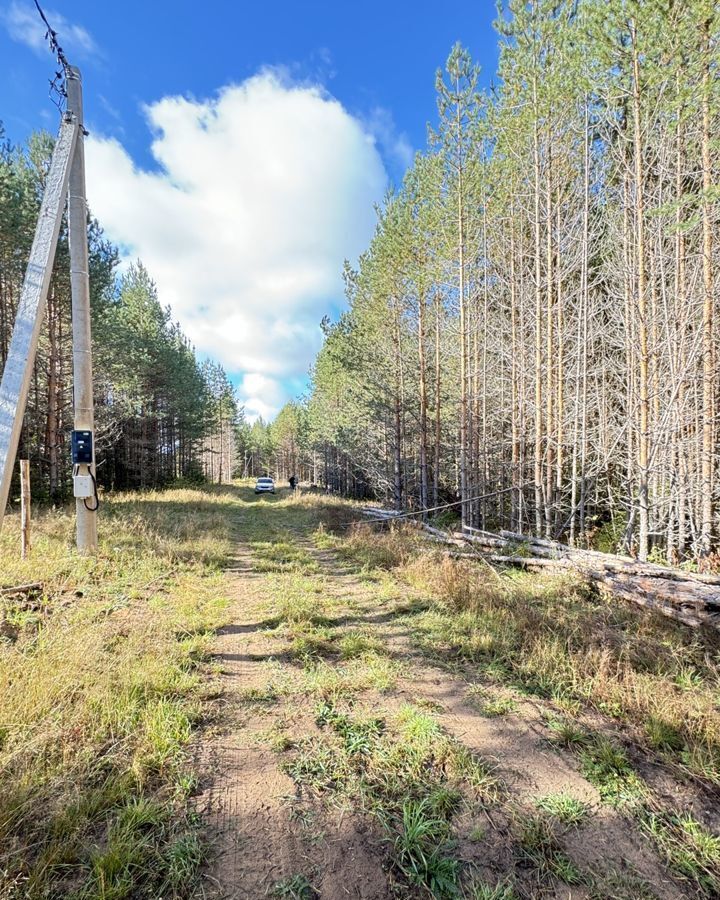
[
  {"x": 58, "y": 93},
  {"x": 421, "y": 512}
]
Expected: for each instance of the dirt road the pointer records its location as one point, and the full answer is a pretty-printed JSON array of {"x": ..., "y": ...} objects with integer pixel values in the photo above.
[{"x": 341, "y": 761}]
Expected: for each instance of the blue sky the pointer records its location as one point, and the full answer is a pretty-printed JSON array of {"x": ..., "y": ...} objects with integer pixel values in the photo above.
[{"x": 273, "y": 126}]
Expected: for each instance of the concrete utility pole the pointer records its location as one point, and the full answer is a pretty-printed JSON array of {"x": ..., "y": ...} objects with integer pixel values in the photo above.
[
  {"x": 80, "y": 284},
  {"x": 31, "y": 307}
]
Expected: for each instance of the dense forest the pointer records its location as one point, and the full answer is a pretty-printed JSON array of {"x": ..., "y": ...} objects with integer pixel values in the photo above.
[
  {"x": 161, "y": 414},
  {"x": 532, "y": 331},
  {"x": 535, "y": 321}
]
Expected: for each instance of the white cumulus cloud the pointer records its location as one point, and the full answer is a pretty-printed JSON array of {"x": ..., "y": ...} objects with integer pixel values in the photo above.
[
  {"x": 258, "y": 196},
  {"x": 23, "y": 24},
  {"x": 262, "y": 395}
]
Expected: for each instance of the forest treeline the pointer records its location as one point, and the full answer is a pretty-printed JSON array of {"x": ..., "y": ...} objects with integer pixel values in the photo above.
[
  {"x": 160, "y": 413},
  {"x": 535, "y": 320}
]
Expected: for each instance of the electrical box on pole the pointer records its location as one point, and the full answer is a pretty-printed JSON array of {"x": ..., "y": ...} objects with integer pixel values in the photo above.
[{"x": 82, "y": 447}]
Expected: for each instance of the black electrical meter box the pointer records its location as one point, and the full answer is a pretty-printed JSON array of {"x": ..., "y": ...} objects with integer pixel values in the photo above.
[{"x": 82, "y": 447}]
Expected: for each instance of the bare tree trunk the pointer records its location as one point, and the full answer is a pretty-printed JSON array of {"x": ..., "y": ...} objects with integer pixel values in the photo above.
[
  {"x": 706, "y": 524},
  {"x": 463, "y": 353},
  {"x": 643, "y": 437},
  {"x": 538, "y": 320},
  {"x": 515, "y": 476},
  {"x": 436, "y": 455},
  {"x": 549, "y": 388},
  {"x": 423, "y": 404}
]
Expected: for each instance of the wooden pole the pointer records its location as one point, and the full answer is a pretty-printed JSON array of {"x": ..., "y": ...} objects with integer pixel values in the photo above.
[{"x": 25, "y": 507}]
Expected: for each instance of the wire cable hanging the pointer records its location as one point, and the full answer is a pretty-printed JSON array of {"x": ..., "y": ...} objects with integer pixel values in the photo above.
[
  {"x": 58, "y": 94},
  {"x": 421, "y": 512}
]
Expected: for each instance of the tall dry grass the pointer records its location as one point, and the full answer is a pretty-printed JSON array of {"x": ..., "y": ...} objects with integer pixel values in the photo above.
[
  {"x": 100, "y": 675},
  {"x": 555, "y": 636}
]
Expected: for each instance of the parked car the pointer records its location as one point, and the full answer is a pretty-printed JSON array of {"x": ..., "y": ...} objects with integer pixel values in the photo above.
[{"x": 265, "y": 485}]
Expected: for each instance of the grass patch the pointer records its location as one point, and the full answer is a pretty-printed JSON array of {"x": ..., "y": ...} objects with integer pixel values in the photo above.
[
  {"x": 370, "y": 671},
  {"x": 488, "y": 705},
  {"x": 620, "y": 884},
  {"x": 689, "y": 849},
  {"x": 565, "y": 808},
  {"x": 554, "y": 638},
  {"x": 480, "y": 890},
  {"x": 358, "y": 643},
  {"x": 538, "y": 846},
  {"x": 406, "y": 772},
  {"x": 369, "y": 549},
  {"x": 566, "y": 733},
  {"x": 99, "y": 693},
  {"x": 606, "y": 766},
  {"x": 421, "y": 848},
  {"x": 295, "y": 887},
  {"x": 282, "y": 555}
]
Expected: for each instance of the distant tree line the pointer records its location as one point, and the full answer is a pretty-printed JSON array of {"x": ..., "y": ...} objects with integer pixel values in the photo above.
[
  {"x": 161, "y": 414},
  {"x": 535, "y": 322}
]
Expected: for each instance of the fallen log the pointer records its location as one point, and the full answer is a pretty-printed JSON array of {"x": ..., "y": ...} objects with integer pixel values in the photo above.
[
  {"x": 22, "y": 588},
  {"x": 651, "y": 570},
  {"x": 531, "y": 562},
  {"x": 656, "y": 601},
  {"x": 684, "y": 596},
  {"x": 481, "y": 540},
  {"x": 443, "y": 535},
  {"x": 687, "y": 597}
]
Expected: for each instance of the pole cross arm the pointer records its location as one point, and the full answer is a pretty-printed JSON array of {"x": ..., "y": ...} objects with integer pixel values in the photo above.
[{"x": 31, "y": 308}]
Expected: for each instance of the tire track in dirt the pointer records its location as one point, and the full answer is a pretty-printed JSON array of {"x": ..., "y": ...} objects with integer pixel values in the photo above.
[
  {"x": 517, "y": 745},
  {"x": 265, "y": 831},
  {"x": 260, "y": 832}
]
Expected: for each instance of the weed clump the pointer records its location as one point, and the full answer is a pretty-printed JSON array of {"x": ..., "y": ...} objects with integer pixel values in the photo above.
[
  {"x": 385, "y": 550},
  {"x": 409, "y": 774},
  {"x": 564, "y": 808},
  {"x": 539, "y": 848}
]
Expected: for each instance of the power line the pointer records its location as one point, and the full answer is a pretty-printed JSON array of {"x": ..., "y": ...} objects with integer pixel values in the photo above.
[
  {"x": 57, "y": 84},
  {"x": 422, "y": 512}
]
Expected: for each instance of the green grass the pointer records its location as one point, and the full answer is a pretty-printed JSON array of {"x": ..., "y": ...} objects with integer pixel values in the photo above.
[
  {"x": 421, "y": 849},
  {"x": 662, "y": 736},
  {"x": 357, "y": 643},
  {"x": 487, "y": 704},
  {"x": 538, "y": 846},
  {"x": 319, "y": 678},
  {"x": 563, "y": 807},
  {"x": 606, "y": 766},
  {"x": 480, "y": 890},
  {"x": 408, "y": 773},
  {"x": 566, "y": 733},
  {"x": 620, "y": 884},
  {"x": 295, "y": 887},
  {"x": 282, "y": 555},
  {"x": 689, "y": 849}
]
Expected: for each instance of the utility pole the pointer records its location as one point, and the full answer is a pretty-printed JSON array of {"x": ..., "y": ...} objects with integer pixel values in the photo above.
[
  {"x": 17, "y": 373},
  {"x": 86, "y": 516},
  {"x": 65, "y": 181}
]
